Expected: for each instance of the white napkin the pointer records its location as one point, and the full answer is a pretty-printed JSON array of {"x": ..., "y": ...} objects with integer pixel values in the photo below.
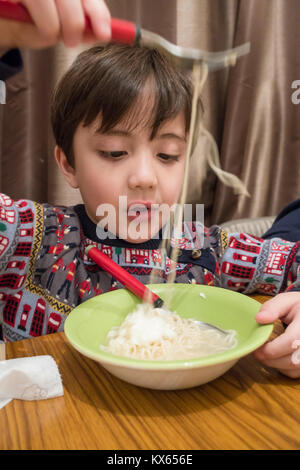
[
  {"x": 2, "y": 92},
  {"x": 29, "y": 378}
]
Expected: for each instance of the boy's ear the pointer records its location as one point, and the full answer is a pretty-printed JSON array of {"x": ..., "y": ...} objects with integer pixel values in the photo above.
[{"x": 67, "y": 170}]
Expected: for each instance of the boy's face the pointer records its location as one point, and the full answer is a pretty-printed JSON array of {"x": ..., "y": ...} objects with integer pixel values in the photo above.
[{"x": 128, "y": 163}]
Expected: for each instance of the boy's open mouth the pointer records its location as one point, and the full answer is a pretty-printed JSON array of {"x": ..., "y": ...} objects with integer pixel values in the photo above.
[{"x": 143, "y": 211}]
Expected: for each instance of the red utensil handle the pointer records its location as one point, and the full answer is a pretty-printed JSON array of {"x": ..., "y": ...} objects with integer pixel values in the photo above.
[
  {"x": 14, "y": 11},
  {"x": 124, "y": 32},
  {"x": 121, "y": 30},
  {"x": 128, "y": 281}
]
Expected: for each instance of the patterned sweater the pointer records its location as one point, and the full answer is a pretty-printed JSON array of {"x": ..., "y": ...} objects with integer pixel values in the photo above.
[{"x": 44, "y": 272}]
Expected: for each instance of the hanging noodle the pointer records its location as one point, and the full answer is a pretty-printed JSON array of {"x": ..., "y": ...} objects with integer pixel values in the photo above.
[
  {"x": 176, "y": 223},
  {"x": 196, "y": 132},
  {"x": 157, "y": 333}
]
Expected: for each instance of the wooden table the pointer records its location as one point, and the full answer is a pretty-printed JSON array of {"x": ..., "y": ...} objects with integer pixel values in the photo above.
[{"x": 250, "y": 407}]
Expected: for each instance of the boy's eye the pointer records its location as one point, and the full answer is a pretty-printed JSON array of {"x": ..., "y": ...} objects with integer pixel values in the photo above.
[
  {"x": 114, "y": 154},
  {"x": 166, "y": 157}
]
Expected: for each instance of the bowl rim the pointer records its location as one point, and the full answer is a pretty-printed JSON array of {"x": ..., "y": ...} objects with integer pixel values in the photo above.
[{"x": 183, "y": 364}]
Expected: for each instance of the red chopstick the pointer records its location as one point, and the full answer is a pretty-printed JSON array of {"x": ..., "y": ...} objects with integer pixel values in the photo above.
[
  {"x": 121, "y": 275},
  {"x": 121, "y": 30}
]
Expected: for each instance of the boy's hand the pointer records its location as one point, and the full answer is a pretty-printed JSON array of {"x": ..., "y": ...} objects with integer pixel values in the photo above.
[
  {"x": 57, "y": 20},
  {"x": 278, "y": 353}
]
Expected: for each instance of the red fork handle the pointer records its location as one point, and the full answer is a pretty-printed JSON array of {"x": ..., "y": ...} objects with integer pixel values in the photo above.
[
  {"x": 121, "y": 30},
  {"x": 126, "y": 279}
]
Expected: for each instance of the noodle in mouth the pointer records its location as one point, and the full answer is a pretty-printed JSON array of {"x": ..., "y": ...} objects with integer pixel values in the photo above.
[{"x": 158, "y": 334}]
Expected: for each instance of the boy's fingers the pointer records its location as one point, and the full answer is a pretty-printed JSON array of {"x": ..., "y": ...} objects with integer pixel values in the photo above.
[
  {"x": 99, "y": 16},
  {"x": 292, "y": 373},
  {"x": 285, "y": 365},
  {"x": 277, "y": 307},
  {"x": 45, "y": 18},
  {"x": 282, "y": 362},
  {"x": 267, "y": 314},
  {"x": 282, "y": 345}
]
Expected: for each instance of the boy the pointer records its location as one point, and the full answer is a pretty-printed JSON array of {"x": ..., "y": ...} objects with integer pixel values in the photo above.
[{"x": 120, "y": 117}]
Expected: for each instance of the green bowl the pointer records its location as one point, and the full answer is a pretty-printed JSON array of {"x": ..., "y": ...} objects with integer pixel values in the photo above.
[{"x": 87, "y": 326}]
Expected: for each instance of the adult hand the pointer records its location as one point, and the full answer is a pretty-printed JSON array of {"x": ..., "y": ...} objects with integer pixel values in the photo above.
[{"x": 57, "y": 20}]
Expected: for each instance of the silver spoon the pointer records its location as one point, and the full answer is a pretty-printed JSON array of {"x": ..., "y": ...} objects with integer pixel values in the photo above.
[{"x": 203, "y": 323}]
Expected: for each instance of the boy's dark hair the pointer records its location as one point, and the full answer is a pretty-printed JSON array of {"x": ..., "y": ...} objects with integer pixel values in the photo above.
[{"x": 108, "y": 80}]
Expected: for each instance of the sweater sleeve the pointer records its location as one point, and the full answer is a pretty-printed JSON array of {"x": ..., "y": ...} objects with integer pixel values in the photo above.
[
  {"x": 9, "y": 222},
  {"x": 17, "y": 234},
  {"x": 293, "y": 282},
  {"x": 249, "y": 264}
]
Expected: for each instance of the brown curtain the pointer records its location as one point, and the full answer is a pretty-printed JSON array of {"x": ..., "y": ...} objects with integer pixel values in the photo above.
[
  {"x": 260, "y": 140},
  {"x": 248, "y": 108}
]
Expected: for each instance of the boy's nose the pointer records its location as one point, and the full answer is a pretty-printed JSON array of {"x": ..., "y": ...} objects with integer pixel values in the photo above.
[{"x": 142, "y": 175}]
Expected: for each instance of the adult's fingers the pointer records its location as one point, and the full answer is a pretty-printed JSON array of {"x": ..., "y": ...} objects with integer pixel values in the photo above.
[
  {"x": 72, "y": 21},
  {"x": 45, "y": 17},
  {"x": 99, "y": 16}
]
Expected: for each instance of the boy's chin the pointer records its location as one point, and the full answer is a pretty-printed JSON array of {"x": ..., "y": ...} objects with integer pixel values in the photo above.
[
  {"x": 142, "y": 238},
  {"x": 139, "y": 240}
]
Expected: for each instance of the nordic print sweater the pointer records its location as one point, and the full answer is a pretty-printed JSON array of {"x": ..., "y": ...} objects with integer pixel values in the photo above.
[{"x": 44, "y": 272}]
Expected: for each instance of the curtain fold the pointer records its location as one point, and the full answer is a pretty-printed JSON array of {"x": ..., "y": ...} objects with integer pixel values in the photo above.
[
  {"x": 208, "y": 25},
  {"x": 248, "y": 108},
  {"x": 25, "y": 130},
  {"x": 260, "y": 140}
]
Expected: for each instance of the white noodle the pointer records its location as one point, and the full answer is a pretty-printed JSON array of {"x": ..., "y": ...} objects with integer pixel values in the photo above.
[{"x": 158, "y": 334}]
